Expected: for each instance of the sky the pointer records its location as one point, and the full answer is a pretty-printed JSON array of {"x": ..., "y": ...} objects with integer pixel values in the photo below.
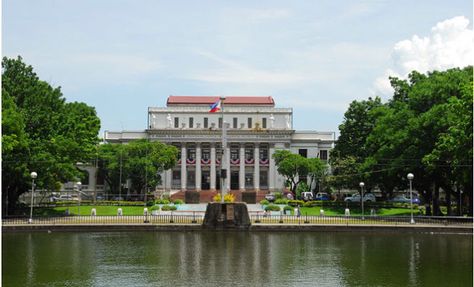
[{"x": 123, "y": 56}]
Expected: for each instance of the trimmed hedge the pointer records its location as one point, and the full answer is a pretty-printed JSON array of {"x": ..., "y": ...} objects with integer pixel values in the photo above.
[
  {"x": 168, "y": 207},
  {"x": 295, "y": 202},
  {"x": 272, "y": 207},
  {"x": 162, "y": 201},
  {"x": 264, "y": 202},
  {"x": 281, "y": 201}
]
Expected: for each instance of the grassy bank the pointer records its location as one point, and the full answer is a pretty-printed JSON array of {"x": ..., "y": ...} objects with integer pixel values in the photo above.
[{"x": 138, "y": 210}]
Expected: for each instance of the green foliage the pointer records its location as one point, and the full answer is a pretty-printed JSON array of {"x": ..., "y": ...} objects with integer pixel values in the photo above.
[
  {"x": 272, "y": 207},
  {"x": 141, "y": 161},
  {"x": 264, "y": 202},
  {"x": 178, "y": 202},
  {"x": 41, "y": 132},
  {"x": 425, "y": 128},
  {"x": 294, "y": 167},
  {"x": 281, "y": 201},
  {"x": 302, "y": 187},
  {"x": 162, "y": 201},
  {"x": 155, "y": 207},
  {"x": 287, "y": 207},
  {"x": 169, "y": 207},
  {"x": 295, "y": 202},
  {"x": 312, "y": 203},
  {"x": 278, "y": 195}
]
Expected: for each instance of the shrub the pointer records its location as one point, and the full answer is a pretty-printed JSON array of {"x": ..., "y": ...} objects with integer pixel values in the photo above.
[
  {"x": 150, "y": 203},
  {"x": 295, "y": 202},
  {"x": 278, "y": 195},
  {"x": 155, "y": 207},
  {"x": 168, "y": 207},
  {"x": 162, "y": 201},
  {"x": 272, "y": 207},
  {"x": 264, "y": 202},
  {"x": 227, "y": 198},
  {"x": 312, "y": 203},
  {"x": 287, "y": 207},
  {"x": 281, "y": 201},
  {"x": 178, "y": 201}
]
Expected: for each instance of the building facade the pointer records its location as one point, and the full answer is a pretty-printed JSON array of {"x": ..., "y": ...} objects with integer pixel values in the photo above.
[{"x": 254, "y": 130}]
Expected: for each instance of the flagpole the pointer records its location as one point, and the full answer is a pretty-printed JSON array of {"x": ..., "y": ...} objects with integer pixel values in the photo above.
[{"x": 224, "y": 148}]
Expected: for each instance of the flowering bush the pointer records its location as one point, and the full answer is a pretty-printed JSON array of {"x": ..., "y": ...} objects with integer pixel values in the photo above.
[{"x": 227, "y": 198}]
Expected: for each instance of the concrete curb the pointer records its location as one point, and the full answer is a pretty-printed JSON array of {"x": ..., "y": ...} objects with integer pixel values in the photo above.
[{"x": 252, "y": 228}]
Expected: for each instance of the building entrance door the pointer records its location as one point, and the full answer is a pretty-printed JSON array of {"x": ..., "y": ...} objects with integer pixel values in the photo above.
[
  {"x": 206, "y": 180},
  {"x": 234, "y": 180}
]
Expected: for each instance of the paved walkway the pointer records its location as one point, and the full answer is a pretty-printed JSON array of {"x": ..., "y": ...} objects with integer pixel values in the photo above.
[{"x": 202, "y": 207}]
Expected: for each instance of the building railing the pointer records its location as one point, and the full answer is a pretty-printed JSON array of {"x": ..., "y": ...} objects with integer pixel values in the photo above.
[
  {"x": 280, "y": 217},
  {"x": 163, "y": 218},
  {"x": 197, "y": 217}
]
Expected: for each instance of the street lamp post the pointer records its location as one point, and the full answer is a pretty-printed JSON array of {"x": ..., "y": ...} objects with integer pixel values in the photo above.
[
  {"x": 33, "y": 177},
  {"x": 410, "y": 177},
  {"x": 361, "y": 184},
  {"x": 78, "y": 197}
]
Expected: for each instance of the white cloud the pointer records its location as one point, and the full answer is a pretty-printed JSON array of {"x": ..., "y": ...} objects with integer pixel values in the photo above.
[{"x": 449, "y": 45}]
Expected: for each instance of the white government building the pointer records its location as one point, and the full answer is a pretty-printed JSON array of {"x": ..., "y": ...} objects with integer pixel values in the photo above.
[{"x": 255, "y": 129}]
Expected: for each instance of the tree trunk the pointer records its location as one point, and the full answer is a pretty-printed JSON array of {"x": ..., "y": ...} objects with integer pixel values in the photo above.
[
  {"x": 448, "y": 201},
  {"x": 459, "y": 200},
  {"x": 436, "y": 210}
]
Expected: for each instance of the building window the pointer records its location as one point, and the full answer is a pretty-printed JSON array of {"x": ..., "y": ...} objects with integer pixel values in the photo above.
[
  {"x": 191, "y": 153},
  {"x": 264, "y": 123},
  {"x": 206, "y": 123},
  {"x": 176, "y": 122},
  {"x": 234, "y": 123},
  {"x": 206, "y": 154},
  {"x": 303, "y": 152},
  {"x": 249, "y": 152},
  {"x": 220, "y": 123},
  {"x": 263, "y": 153},
  {"x": 191, "y": 122},
  {"x": 249, "y": 123},
  {"x": 234, "y": 153},
  {"x": 323, "y": 154}
]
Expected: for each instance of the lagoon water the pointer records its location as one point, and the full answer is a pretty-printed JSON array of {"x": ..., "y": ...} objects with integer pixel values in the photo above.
[{"x": 236, "y": 259}]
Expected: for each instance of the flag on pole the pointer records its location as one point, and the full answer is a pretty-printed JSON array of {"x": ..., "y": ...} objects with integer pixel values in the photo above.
[{"x": 215, "y": 107}]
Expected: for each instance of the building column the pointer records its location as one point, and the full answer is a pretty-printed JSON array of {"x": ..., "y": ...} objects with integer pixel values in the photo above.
[
  {"x": 227, "y": 166},
  {"x": 271, "y": 168},
  {"x": 242, "y": 168},
  {"x": 213, "y": 167},
  {"x": 256, "y": 169},
  {"x": 183, "y": 167},
  {"x": 198, "y": 167}
]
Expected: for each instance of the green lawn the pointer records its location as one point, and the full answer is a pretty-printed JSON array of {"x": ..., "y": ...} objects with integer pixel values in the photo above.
[
  {"x": 138, "y": 210},
  {"x": 86, "y": 210},
  {"x": 357, "y": 211}
]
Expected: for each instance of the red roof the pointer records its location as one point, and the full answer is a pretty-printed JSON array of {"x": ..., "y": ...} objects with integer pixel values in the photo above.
[{"x": 229, "y": 100}]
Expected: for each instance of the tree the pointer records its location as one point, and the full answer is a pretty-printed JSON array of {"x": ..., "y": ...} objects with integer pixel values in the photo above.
[
  {"x": 295, "y": 168},
  {"x": 42, "y": 132},
  {"x": 141, "y": 161},
  {"x": 426, "y": 129},
  {"x": 351, "y": 148}
]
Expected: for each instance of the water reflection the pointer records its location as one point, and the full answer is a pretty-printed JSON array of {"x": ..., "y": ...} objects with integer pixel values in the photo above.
[{"x": 236, "y": 258}]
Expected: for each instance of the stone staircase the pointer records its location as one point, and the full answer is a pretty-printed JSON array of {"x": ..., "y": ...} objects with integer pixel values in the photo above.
[{"x": 206, "y": 196}]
